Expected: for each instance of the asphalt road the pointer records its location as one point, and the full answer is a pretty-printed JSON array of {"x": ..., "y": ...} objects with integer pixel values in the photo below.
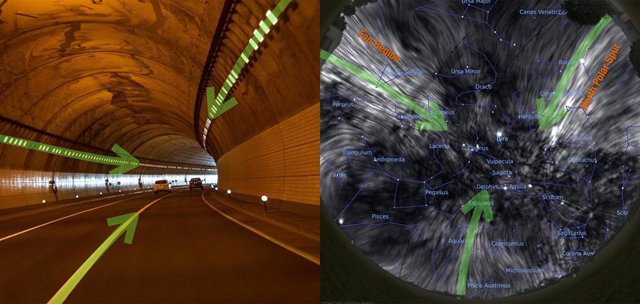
[{"x": 182, "y": 252}]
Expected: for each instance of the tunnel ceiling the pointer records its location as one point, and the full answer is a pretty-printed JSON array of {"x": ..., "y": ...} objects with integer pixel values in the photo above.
[{"x": 100, "y": 72}]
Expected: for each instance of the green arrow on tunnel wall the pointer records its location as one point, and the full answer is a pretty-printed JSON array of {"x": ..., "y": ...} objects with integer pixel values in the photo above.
[
  {"x": 124, "y": 161},
  {"x": 214, "y": 110},
  {"x": 216, "y": 104}
]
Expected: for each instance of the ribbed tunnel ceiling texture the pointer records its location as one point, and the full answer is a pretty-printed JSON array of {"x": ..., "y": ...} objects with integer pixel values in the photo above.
[{"x": 89, "y": 74}]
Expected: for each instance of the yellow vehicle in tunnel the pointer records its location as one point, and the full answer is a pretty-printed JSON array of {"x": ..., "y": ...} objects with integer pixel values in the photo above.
[{"x": 161, "y": 185}]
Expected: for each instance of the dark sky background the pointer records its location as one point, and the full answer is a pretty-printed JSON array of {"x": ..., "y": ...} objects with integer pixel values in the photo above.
[{"x": 416, "y": 247}]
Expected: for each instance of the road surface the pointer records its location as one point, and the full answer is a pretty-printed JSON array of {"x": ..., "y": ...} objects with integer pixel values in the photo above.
[{"x": 183, "y": 251}]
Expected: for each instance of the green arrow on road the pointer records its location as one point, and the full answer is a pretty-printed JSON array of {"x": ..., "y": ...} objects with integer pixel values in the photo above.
[
  {"x": 480, "y": 204},
  {"x": 551, "y": 114},
  {"x": 128, "y": 223},
  {"x": 433, "y": 121},
  {"x": 216, "y": 110},
  {"x": 124, "y": 161}
]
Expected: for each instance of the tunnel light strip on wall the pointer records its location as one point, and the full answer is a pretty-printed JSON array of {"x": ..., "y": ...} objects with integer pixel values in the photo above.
[
  {"x": 124, "y": 161},
  {"x": 178, "y": 167},
  {"x": 216, "y": 104}
]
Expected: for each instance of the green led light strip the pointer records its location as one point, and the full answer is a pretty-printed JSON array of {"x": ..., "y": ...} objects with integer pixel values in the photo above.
[
  {"x": 124, "y": 161},
  {"x": 215, "y": 104},
  {"x": 216, "y": 107}
]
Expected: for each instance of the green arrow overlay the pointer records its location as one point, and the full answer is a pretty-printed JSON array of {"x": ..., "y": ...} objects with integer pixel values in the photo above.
[
  {"x": 551, "y": 114},
  {"x": 480, "y": 204},
  {"x": 124, "y": 161},
  {"x": 433, "y": 121},
  {"x": 217, "y": 110},
  {"x": 216, "y": 104},
  {"x": 128, "y": 223}
]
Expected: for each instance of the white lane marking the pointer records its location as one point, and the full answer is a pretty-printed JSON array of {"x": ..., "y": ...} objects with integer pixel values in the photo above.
[
  {"x": 77, "y": 276},
  {"x": 149, "y": 205},
  {"x": 274, "y": 222},
  {"x": 297, "y": 251},
  {"x": 28, "y": 212},
  {"x": 63, "y": 218}
]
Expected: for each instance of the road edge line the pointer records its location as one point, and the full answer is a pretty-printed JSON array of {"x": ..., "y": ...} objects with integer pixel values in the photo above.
[
  {"x": 297, "y": 251},
  {"x": 274, "y": 222}
]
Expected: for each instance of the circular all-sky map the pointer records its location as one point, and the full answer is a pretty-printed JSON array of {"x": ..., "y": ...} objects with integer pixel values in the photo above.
[{"x": 479, "y": 148}]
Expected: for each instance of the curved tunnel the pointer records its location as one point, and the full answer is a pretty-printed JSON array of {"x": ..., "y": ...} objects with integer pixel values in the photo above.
[{"x": 84, "y": 76}]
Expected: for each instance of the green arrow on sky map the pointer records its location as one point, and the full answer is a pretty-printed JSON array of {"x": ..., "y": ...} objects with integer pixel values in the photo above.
[
  {"x": 124, "y": 161},
  {"x": 480, "y": 204},
  {"x": 128, "y": 223},
  {"x": 551, "y": 114},
  {"x": 432, "y": 121}
]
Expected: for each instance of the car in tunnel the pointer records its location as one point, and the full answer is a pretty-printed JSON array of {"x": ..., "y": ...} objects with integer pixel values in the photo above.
[
  {"x": 161, "y": 185},
  {"x": 195, "y": 182}
]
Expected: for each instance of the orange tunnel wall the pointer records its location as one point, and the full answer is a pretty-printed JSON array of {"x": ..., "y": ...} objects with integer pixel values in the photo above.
[{"x": 282, "y": 162}]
